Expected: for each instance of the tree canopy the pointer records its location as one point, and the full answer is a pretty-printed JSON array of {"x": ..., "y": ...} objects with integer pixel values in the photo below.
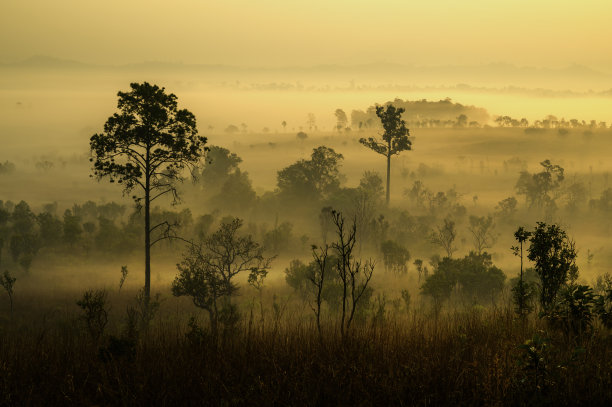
[
  {"x": 311, "y": 179},
  {"x": 394, "y": 139},
  {"x": 147, "y": 145}
]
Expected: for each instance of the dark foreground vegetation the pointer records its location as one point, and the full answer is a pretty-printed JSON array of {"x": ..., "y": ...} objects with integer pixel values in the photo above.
[{"x": 462, "y": 358}]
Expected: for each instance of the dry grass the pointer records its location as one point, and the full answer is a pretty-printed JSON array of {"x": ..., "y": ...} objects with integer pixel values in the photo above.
[{"x": 458, "y": 358}]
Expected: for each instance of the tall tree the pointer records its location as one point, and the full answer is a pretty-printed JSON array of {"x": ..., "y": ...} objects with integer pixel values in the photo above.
[
  {"x": 146, "y": 146},
  {"x": 394, "y": 139}
]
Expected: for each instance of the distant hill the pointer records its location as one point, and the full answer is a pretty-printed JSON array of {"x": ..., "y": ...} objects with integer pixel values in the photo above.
[
  {"x": 575, "y": 77},
  {"x": 46, "y": 62}
]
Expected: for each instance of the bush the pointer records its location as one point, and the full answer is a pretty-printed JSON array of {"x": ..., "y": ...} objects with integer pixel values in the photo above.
[
  {"x": 475, "y": 276},
  {"x": 95, "y": 314}
]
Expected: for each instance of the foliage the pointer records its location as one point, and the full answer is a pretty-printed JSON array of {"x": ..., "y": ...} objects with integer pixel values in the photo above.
[
  {"x": 311, "y": 180},
  {"x": 506, "y": 208},
  {"x": 7, "y": 281},
  {"x": 219, "y": 164},
  {"x": 538, "y": 187},
  {"x": 572, "y": 312},
  {"x": 299, "y": 276},
  {"x": 554, "y": 255},
  {"x": 225, "y": 185},
  {"x": 395, "y": 256},
  {"x": 95, "y": 314},
  {"x": 236, "y": 193},
  {"x": 475, "y": 276},
  {"x": 279, "y": 239},
  {"x": 341, "y": 119},
  {"x": 207, "y": 270},
  {"x": 146, "y": 146},
  {"x": 522, "y": 291},
  {"x": 603, "y": 307},
  {"x": 363, "y": 202},
  {"x": 50, "y": 229},
  {"x": 534, "y": 362},
  {"x": 394, "y": 139},
  {"x": 406, "y": 298},
  {"x": 124, "y": 273},
  {"x": 444, "y": 236},
  {"x": 481, "y": 228},
  {"x": 72, "y": 227},
  {"x": 523, "y": 294},
  {"x": 423, "y": 113},
  {"x": 604, "y": 202},
  {"x": 7, "y": 168}
]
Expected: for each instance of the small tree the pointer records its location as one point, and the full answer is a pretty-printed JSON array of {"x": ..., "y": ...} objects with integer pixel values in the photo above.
[
  {"x": 444, "y": 236},
  {"x": 95, "y": 314},
  {"x": 146, "y": 146},
  {"x": 341, "y": 119},
  {"x": 354, "y": 274},
  {"x": 474, "y": 276},
  {"x": 394, "y": 139},
  {"x": 395, "y": 256},
  {"x": 311, "y": 122},
  {"x": 207, "y": 271},
  {"x": 72, "y": 228},
  {"x": 537, "y": 188},
  {"x": 317, "y": 278},
  {"x": 422, "y": 270},
  {"x": 554, "y": 255},
  {"x": 522, "y": 291},
  {"x": 481, "y": 228},
  {"x": 256, "y": 280},
  {"x": 314, "y": 179},
  {"x": 8, "y": 281}
]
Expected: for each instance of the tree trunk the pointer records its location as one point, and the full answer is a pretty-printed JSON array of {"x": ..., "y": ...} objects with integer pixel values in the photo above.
[
  {"x": 147, "y": 199},
  {"x": 388, "y": 178}
]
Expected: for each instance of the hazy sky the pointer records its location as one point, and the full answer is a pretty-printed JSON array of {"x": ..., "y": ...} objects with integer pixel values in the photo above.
[{"x": 291, "y": 32}]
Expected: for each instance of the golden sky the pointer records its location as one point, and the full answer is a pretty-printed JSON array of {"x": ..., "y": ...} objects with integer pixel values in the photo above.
[{"x": 291, "y": 32}]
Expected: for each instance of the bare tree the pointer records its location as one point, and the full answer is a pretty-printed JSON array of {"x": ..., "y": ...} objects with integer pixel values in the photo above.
[
  {"x": 317, "y": 278},
  {"x": 444, "y": 236},
  {"x": 482, "y": 233},
  {"x": 354, "y": 274}
]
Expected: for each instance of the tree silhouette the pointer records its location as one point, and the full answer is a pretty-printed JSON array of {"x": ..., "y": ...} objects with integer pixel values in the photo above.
[
  {"x": 394, "y": 140},
  {"x": 538, "y": 188},
  {"x": 314, "y": 179},
  {"x": 554, "y": 255},
  {"x": 146, "y": 146},
  {"x": 341, "y": 119},
  {"x": 522, "y": 291},
  {"x": 444, "y": 236},
  {"x": 207, "y": 271}
]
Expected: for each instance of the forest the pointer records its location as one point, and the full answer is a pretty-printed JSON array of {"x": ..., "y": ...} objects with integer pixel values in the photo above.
[{"x": 223, "y": 267}]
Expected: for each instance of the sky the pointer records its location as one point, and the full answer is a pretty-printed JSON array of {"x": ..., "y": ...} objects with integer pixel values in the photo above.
[{"x": 541, "y": 33}]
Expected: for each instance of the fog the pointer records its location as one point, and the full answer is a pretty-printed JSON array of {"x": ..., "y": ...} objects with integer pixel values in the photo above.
[{"x": 356, "y": 193}]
